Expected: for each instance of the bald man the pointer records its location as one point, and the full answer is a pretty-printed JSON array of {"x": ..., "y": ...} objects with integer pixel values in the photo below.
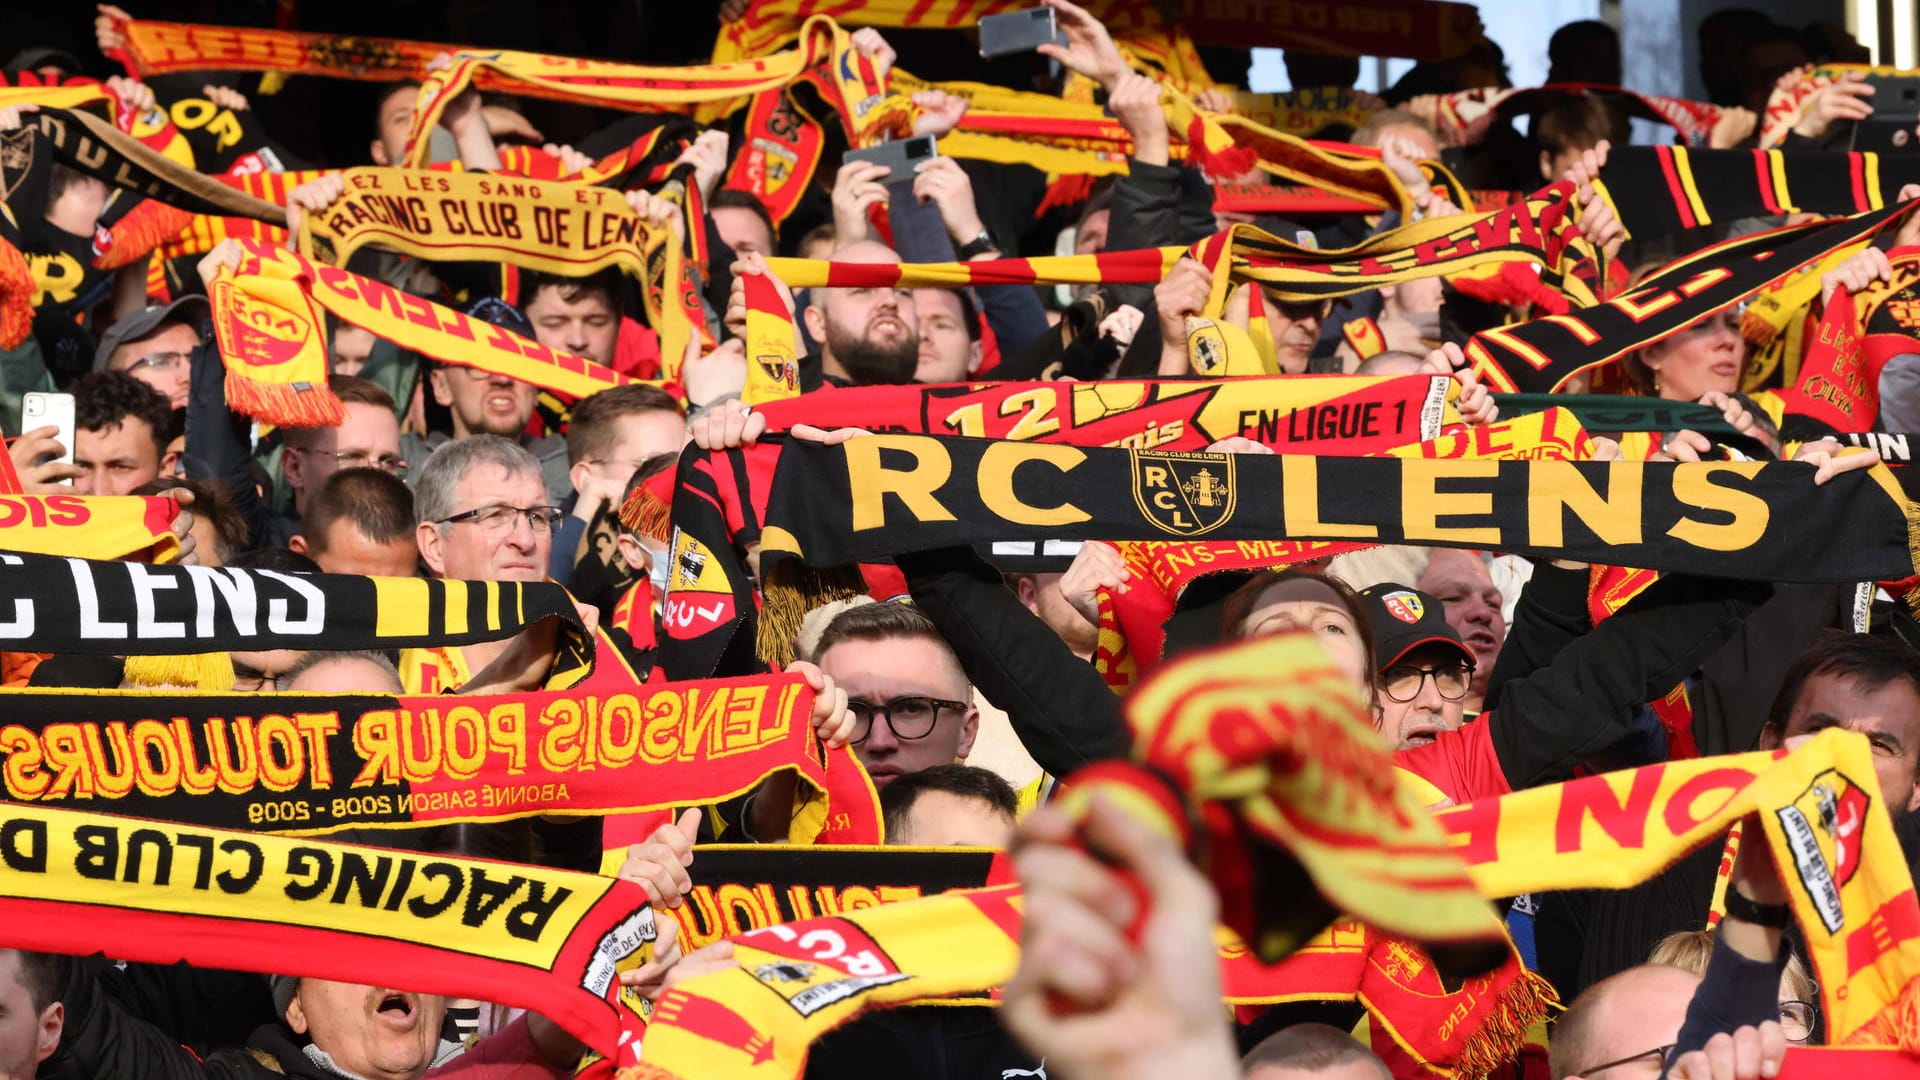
[
  {"x": 869, "y": 335},
  {"x": 1312, "y": 1052},
  {"x": 1623, "y": 1020}
]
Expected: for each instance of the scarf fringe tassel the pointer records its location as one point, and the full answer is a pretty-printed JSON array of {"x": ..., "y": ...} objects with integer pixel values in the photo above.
[
  {"x": 208, "y": 673},
  {"x": 645, "y": 513},
  {"x": 1217, "y": 164},
  {"x": 791, "y": 590},
  {"x": 1500, "y": 1037},
  {"x": 1913, "y": 551},
  {"x": 285, "y": 404}
]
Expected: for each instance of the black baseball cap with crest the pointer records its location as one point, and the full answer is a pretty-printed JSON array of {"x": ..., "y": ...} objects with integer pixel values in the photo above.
[{"x": 1403, "y": 619}]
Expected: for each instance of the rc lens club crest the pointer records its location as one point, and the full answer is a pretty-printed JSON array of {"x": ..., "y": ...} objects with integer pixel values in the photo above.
[{"x": 1184, "y": 494}]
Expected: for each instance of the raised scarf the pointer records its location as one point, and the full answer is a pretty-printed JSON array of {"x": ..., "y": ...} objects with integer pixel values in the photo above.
[
  {"x": 1073, "y": 138},
  {"x": 1295, "y": 772},
  {"x": 1298, "y": 816},
  {"x": 647, "y": 160},
  {"x": 1304, "y": 111},
  {"x": 1663, "y": 189},
  {"x": 1293, "y": 200},
  {"x": 1847, "y": 884},
  {"x": 1538, "y": 231},
  {"x": 73, "y": 605},
  {"x": 1418, "y": 29},
  {"x": 304, "y": 764},
  {"x": 568, "y": 229},
  {"x": 780, "y": 153},
  {"x": 1787, "y": 104},
  {"x": 1302, "y": 413},
  {"x": 1058, "y": 136},
  {"x": 553, "y": 941},
  {"x": 1464, "y": 116},
  {"x": 94, "y": 526},
  {"x": 824, "y": 55},
  {"x": 1838, "y": 382},
  {"x": 164, "y": 48},
  {"x": 741, "y": 888},
  {"x": 828, "y": 507},
  {"x": 1846, "y": 879},
  {"x": 1132, "y": 638},
  {"x": 773, "y": 351},
  {"x": 1541, "y": 355},
  {"x": 96, "y": 147},
  {"x": 269, "y": 319}
]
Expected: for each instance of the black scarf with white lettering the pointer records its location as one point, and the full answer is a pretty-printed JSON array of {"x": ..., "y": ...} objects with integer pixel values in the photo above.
[
  {"x": 62, "y": 605},
  {"x": 829, "y": 507}
]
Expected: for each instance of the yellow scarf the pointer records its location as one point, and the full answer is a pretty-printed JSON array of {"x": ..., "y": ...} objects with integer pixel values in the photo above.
[
  {"x": 268, "y": 320},
  {"x": 107, "y": 527},
  {"x": 1823, "y": 814},
  {"x": 849, "y": 80},
  {"x": 553, "y": 226}
]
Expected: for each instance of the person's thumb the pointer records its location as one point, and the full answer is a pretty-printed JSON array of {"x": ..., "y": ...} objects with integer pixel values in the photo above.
[{"x": 689, "y": 824}]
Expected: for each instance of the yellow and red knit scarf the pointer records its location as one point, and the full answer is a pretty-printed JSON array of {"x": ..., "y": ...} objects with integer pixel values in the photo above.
[
  {"x": 1823, "y": 813},
  {"x": 563, "y": 228},
  {"x": 268, "y": 318},
  {"x": 139, "y": 528}
]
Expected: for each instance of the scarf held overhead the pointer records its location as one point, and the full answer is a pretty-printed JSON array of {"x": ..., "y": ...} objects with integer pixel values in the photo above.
[
  {"x": 1539, "y": 230},
  {"x": 297, "y": 764},
  {"x": 567, "y": 229},
  {"x": 97, "y": 148},
  {"x": 878, "y": 494},
  {"x": 70, "y": 605},
  {"x": 1823, "y": 814},
  {"x": 552, "y": 941},
  {"x": 1313, "y": 412},
  {"x": 269, "y": 319},
  {"x": 816, "y": 510},
  {"x": 1541, "y": 355},
  {"x": 1303, "y": 818}
]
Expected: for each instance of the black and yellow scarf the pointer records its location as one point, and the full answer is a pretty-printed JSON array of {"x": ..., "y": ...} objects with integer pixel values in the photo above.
[
  {"x": 1541, "y": 355},
  {"x": 70, "y": 605},
  {"x": 814, "y": 508}
]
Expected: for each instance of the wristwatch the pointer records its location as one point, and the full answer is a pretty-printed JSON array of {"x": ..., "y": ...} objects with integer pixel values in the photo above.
[
  {"x": 1757, "y": 914},
  {"x": 979, "y": 245}
]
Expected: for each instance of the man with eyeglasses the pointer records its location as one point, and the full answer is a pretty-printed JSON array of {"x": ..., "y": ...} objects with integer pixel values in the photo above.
[
  {"x": 481, "y": 513},
  {"x": 1425, "y": 668},
  {"x": 369, "y": 438},
  {"x": 912, "y": 705},
  {"x": 156, "y": 346},
  {"x": 1728, "y": 1024}
]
